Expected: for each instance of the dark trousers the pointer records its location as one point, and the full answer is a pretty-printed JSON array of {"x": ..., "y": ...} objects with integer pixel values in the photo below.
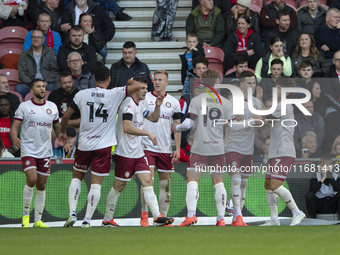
[{"x": 327, "y": 205}]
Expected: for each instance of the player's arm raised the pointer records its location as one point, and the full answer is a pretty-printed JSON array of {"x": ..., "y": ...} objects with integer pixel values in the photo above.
[
  {"x": 133, "y": 86},
  {"x": 14, "y": 134},
  {"x": 130, "y": 129},
  {"x": 154, "y": 116}
]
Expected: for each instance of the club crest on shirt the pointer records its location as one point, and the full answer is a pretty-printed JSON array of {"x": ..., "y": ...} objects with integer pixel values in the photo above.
[
  {"x": 168, "y": 104},
  {"x": 27, "y": 163},
  {"x": 49, "y": 111}
]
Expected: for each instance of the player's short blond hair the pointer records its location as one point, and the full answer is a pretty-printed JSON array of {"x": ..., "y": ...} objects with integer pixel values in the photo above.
[{"x": 161, "y": 72}]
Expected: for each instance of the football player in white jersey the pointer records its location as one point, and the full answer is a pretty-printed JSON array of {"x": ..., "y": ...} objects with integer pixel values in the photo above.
[
  {"x": 239, "y": 146},
  {"x": 160, "y": 155},
  {"x": 98, "y": 108},
  {"x": 37, "y": 118},
  {"x": 129, "y": 154},
  {"x": 207, "y": 151},
  {"x": 281, "y": 158}
]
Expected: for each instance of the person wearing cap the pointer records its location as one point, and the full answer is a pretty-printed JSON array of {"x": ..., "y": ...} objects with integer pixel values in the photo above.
[
  {"x": 242, "y": 7},
  {"x": 71, "y": 140}
]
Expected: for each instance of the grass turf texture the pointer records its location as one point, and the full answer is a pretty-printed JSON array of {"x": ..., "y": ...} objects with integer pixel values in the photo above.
[{"x": 191, "y": 240}]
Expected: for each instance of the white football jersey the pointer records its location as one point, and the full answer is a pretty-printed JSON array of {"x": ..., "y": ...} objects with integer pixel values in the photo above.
[
  {"x": 281, "y": 136},
  {"x": 98, "y": 108},
  {"x": 242, "y": 140},
  {"x": 162, "y": 128},
  {"x": 36, "y": 128},
  {"x": 130, "y": 146},
  {"x": 209, "y": 139}
]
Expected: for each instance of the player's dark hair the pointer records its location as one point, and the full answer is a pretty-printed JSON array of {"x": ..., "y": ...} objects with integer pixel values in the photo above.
[
  {"x": 286, "y": 82},
  {"x": 281, "y": 13},
  {"x": 140, "y": 79},
  {"x": 31, "y": 84},
  {"x": 101, "y": 73},
  {"x": 129, "y": 44},
  {"x": 276, "y": 62},
  {"x": 240, "y": 59},
  {"x": 200, "y": 59},
  {"x": 65, "y": 74}
]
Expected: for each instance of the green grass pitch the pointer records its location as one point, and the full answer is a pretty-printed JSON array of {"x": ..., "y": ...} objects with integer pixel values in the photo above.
[{"x": 160, "y": 240}]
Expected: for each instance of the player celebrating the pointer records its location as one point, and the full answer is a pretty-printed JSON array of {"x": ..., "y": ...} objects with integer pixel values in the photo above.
[
  {"x": 36, "y": 117},
  {"x": 281, "y": 157},
  {"x": 160, "y": 154},
  {"x": 208, "y": 146},
  {"x": 239, "y": 147},
  {"x": 98, "y": 108},
  {"x": 129, "y": 155}
]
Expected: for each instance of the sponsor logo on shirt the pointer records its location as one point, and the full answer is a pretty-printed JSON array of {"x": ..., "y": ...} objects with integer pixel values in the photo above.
[
  {"x": 4, "y": 130},
  {"x": 164, "y": 117},
  {"x": 31, "y": 124},
  {"x": 94, "y": 137},
  {"x": 44, "y": 124},
  {"x": 32, "y": 112}
]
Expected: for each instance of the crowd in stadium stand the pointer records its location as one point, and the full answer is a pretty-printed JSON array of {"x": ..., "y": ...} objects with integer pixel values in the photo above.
[{"x": 273, "y": 39}]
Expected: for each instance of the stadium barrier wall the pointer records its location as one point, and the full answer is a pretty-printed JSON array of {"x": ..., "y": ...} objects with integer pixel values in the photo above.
[{"x": 12, "y": 182}]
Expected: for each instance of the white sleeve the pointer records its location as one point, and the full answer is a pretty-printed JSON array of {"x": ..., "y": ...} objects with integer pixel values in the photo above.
[{"x": 185, "y": 125}]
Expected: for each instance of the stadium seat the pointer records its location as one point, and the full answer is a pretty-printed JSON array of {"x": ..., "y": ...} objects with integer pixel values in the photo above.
[
  {"x": 258, "y": 3},
  {"x": 9, "y": 56},
  {"x": 30, "y": 95},
  {"x": 17, "y": 94},
  {"x": 12, "y": 76},
  {"x": 230, "y": 71},
  {"x": 214, "y": 54},
  {"x": 304, "y": 2},
  {"x": 291, "y": 3},
  {"x": 13, "y": 34},
  {"x": 216, "y": 66}
]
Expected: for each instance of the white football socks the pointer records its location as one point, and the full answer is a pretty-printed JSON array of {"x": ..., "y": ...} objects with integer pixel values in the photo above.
[
  {"x": 191, "y": 198},
  {"x": 220, "y": 198},
  {"x": 142, "y": 198},
  {"x": 27, "y": 199},
  {"x": 244, "y": 183},
  {"x": 39, "y": 203},
  {"x": 164, "y": 196},
  {"x": 287, "y": 197},
  {"x": 272, "y": 200},
  {"x": 73, "y": 195},
  {"x": 111, "y": 202},
  {"x": 92, "y": 201},
  {"x": 151, "y": 201},
  {"x": 235, "y": 191}
]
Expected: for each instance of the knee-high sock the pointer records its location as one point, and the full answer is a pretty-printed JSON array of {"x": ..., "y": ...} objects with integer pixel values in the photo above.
[
  {"x": 272, "y": 200},
  {"x": 27, "y": 199},
  {"x": 111, "y": 202},
  {"x": 220, "y": 198},
  {"x": 243, "y": 191},
  {"x": 92, "y": 201},
  {"x": 287, "y": 197},
  {"x": 192, "y": 197},
  {"x": 142, "y": 199},
  {"x": 151, "y": 200},
  {"x": 39, "y": 204},
  {"x": 73, "y": 195},
  {"x": 164, "y": 196},
  {"x": 235, "y": 190}
]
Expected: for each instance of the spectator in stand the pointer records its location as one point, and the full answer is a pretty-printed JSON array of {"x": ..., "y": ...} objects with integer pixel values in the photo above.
[
  {"x": 310, "y": 17},
  {"x": 52, "y": 38},
  {"x": 129, "y": 66},
  {"x": 262, "y": 68},
  {"x": 332, "y": 123},
  {"x": 269, "y": 81},
  {"x": 118, "y": 11},
  {"x": 240, "y": 65},
  {"x": 317, "y": 96},
  {"x": 71, "y": 140},
  {"x": 100, "y": 19},
  {"x": 287, "y": 34},
  {"x": 6, "y": 120},
  {"x": 77, "y": 44},
  {"x": 243, "y": 41},
  {"x": 305, "y": 50},
  {"x": 200, "y": 64},
  {"x": 306, "y": 72},
  {"x": 333, "y": 3},
  {"x": 92, "y": 37},
  {"x": 323, "y": 195},
  {"x": 223, "y": 5},
  {"x": 242, "y": 7},
  {"x": 54, "y": 8},
  {"x": 193, "y": 50},
  {"x": 80, "y": 81},
  {"x": 327, "y": 36},
  {"x": 335, "y": 152},
  {"x": 268, "y": 16},
  {"x": 186, "y": 151},
  {"x": 4, "y": 91},
  {"x": 309, "y": 146},
  {"x": 207, "y": 22},
  {"x": 38, "y": 61},
  {"x": 332, "y": 88},
  {"x": 263, "y": 158},
  {"x": 12, "y": 13},
  {"x": 314, "y": 123}
]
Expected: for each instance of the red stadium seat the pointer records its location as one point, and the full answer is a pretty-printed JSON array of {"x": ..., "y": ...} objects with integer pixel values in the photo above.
[
  {"x": 12, "y": 34},
  {"x": 9, "y": 56},
  {"x": 258, "y": 3},
  {"x": 214, "y": 54},
  {"x": 17, "y": 94},
  {"x": 12, "y": 76},
  {"x": 230, "y": 71},
  {"x": 216, "y": 66}
]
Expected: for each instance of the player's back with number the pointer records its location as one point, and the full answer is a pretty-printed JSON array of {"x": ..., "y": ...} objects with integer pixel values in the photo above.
[{"x": 98, "y": 108}]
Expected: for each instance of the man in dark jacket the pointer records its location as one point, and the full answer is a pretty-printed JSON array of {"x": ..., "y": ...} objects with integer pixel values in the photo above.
[
  {"x": 76, "y": 43},
  {"x": 210, "y": 30},
  {"x": 129, "y": 66},
  {"x": 310, "y": 17},
  {"x": 332, "y": 86},
  {"x": 268, "y": 16}
]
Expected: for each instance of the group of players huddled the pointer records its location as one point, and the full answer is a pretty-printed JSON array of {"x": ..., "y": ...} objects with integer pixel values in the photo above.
[{"x": 142, "y": 135}]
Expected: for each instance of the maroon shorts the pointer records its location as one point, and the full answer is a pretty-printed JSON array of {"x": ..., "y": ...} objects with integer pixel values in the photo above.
[
  {"x": 235, "y": 160},
  {"x": 42, "y": 165},
  {"x": 161, "y": 160},
  {"x": 278, "y": 168},
  {"x": 213, "y": 164},
  {"x": 125, "y": 168},
  {"x": 99, "y": 160}
]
